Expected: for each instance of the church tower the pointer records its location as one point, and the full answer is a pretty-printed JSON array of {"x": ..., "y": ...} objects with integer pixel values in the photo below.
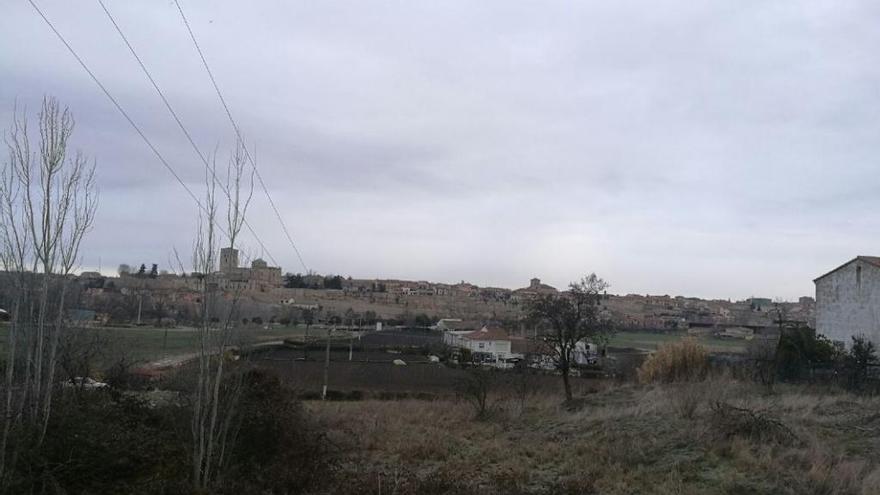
[{"x": 228, "y": 260}]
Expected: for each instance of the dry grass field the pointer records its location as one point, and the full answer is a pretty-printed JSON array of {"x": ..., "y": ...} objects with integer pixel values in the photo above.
[
  {"x": 651, "y": 341},
  {"x": 714, "y": 437}
]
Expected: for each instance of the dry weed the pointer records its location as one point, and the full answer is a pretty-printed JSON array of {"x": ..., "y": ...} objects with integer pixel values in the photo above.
[
  {"x": 685, "y": 360},
  {"x": 630, "y": 439}
]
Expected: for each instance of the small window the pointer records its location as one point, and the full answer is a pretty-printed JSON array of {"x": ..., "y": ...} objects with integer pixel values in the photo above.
[{"x": 858, "y": 276}]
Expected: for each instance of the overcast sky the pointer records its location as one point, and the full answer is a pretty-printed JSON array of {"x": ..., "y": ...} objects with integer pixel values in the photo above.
[{"x": 714, "y": 149}]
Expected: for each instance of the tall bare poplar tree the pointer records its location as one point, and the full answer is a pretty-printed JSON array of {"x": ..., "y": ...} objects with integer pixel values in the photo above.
[
  {"x": 217, "y": 392},
  {"x": 238, "y": 199},
  {"x": 48, "y": 199}
]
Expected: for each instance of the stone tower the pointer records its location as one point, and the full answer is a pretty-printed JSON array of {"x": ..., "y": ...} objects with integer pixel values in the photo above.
[{"x": 228, "y": 259}]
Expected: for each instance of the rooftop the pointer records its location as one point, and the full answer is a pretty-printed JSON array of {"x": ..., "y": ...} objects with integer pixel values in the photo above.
[
  {"x": 871, "y": 260},
  {"x": 488, "y": 333}
]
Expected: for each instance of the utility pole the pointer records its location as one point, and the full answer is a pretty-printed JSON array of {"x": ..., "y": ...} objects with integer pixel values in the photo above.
[
  {"x": 140, "y": 293},
  {"x": 140, "y": 305},
  {"x": 306, "y": 344},
  {"x": 326, "y": 365}
]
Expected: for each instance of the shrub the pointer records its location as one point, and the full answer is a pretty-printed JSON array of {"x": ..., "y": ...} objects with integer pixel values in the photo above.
[
  {"x": 278, "y": 449},
  {"x": 800, "y": 351},
  {"x": 686, "y": 398},
  {"x": 676, "y": 362},
  {"x": 860, "y": 358},
  {"x": 729, "y": 421},
  {"x": 100, "y": 442},
  {"x": 477, "y": 387}
]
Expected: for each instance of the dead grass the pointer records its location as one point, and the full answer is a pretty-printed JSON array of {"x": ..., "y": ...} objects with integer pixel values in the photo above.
[
  {"x": 682, "y": 361},
  {"x": 625, "y": 440}
]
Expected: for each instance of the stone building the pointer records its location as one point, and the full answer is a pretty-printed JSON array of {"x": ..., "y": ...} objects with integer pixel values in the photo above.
[
  {"x": 259, "y": 277},
  {"x": 848, "y": 301},
  {"x": 533, "y": 291}
]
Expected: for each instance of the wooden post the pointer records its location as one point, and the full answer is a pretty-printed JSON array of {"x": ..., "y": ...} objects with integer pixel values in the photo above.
[
  {"x": 140, "y": 304},
  {"x": 306, "y": 344},
  {"x": 326, "y": 366}
]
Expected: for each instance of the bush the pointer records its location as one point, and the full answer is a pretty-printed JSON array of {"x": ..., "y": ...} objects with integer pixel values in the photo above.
[
  {"x": 100, "y": 442},
  {"x": 729, "y": 421},
  {"x": 858, "y": 361},
  {"x": 278, "y": 450},
  {"x": 686, "y": 398},
  {"x": 676, "y": 362},
  {"x": 477, "y": 387},
  {"x": 107, "y": 441},
  {"x": 801, "y": 350}
]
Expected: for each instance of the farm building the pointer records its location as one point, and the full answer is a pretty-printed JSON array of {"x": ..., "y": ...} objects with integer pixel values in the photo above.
[
  {"x": 848, "y": 301},
  {"x": 737, "y": 332},
  {"x": 457, "y": 325},
  {"x": 492, "y": 341}
]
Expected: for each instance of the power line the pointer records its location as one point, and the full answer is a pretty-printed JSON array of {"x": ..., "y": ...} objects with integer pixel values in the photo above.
[
  {"x": 180, "y": 124},
  {"x": 122, "y": 111},
  {"x": 238, "y": 133}
]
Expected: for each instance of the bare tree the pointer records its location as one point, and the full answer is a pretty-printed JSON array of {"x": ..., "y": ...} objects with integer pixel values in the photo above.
[
  {"x": 572, "y": 318},
  {"x": 48, "y": 200},
  {"x": 237, "y": 201},
  {"x": 477, "y": 387},
  {"x": 217, "y": 391}
]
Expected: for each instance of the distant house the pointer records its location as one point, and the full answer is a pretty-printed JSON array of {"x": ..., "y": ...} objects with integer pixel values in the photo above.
[
  {"x": 4, "y": 315},
  {"x": 542, "y": 353},
  {"x": 492, "y": 341},
  {"x": 457, "y": 325},
  {"x": 292, "y": 302},
  {"x": 760, "y": 304},
  {"x": 848, "y": 301},
  {"x": 533, "y": 291}
]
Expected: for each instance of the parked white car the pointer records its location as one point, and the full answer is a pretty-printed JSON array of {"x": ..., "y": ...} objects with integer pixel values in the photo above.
[{"x": 85, "y": 383}]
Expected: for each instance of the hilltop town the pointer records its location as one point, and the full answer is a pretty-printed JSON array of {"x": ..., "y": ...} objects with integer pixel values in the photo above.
[{"x": 269, "y": 296}]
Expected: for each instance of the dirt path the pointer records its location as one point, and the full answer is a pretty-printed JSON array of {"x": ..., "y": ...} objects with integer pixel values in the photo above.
[{"x": 171, "y": 362}]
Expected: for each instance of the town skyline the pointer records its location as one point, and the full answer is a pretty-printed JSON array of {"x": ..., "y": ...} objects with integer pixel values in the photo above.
[{"x": 105, "y": 272}]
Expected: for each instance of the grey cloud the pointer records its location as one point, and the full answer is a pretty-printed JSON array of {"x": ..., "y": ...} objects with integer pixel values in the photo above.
[{"x": 718, "y": 149}]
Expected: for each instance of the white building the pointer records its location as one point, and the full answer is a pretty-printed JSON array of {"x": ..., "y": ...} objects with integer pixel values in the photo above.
[
  {"x": 848, "y": 301},
  {"x": 457, "y": 325},
  {"x": 487, "y": 340}
]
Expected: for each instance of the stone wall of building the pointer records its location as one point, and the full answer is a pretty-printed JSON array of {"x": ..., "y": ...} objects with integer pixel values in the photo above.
[{"x": 848, "y": 303}]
